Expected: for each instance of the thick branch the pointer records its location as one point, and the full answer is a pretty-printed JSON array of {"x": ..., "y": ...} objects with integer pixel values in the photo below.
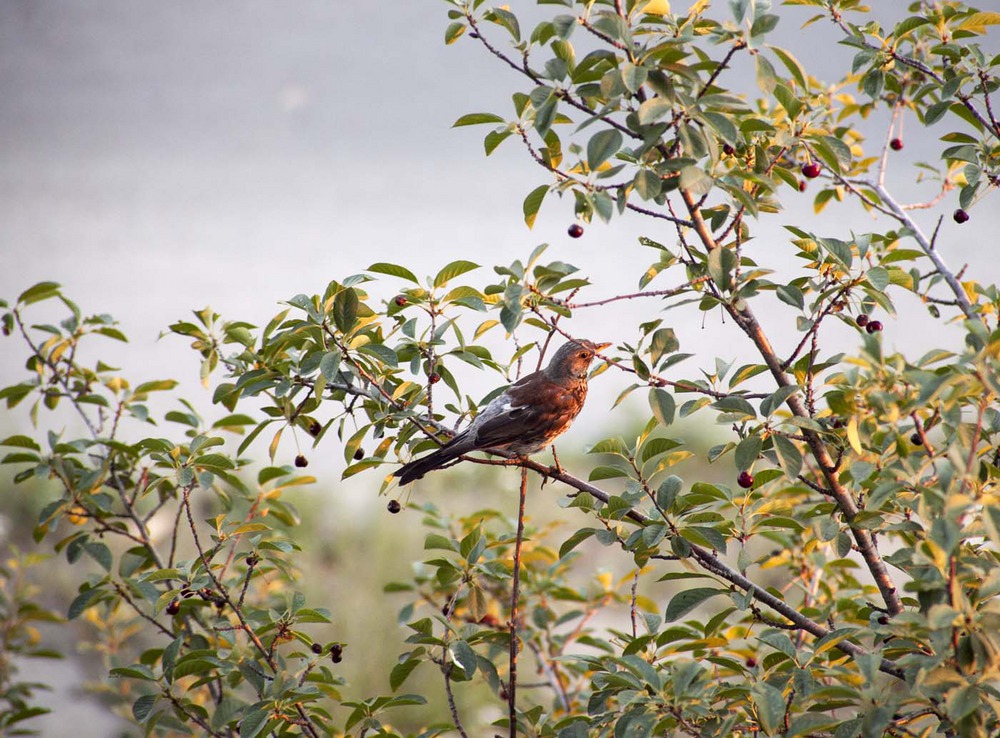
[
  {"x": 712, "y": 563},
  {"x": 746, "y": 320}
]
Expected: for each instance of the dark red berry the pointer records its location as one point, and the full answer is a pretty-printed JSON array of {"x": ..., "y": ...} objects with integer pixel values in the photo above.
[
  {"x": 874, "y": 326},
  {"x": 434, "y": 378},
  {"x": 301, "y": 461},
  {"x": 896, "y": 144},
  {"x": 400, "y": 300},
  {"x": 336, "y": 653},
  {"x": 315, "y": 428},
  {"x": 883, "y": 620},
  {"x": 837, "y": 423},
  {"x": 316, "y": 649},
  {"x": 174, "y": 607},
  {"x": 575, "y": 230},
  {"x": 359, "y": 454},
  {"x": 394, "y": 506},
  {"x": 811, "y": 170},
  {"x": 252, "y": 560},
  {"x": 728, "y": 149},
  {"x": 916, "y": 440},
  {"x": 862, "y": 320},
  {"x": 745, "y": 480},
  {"x": 802, "y": 185},
  {"x": 960, "y": 216},
  {"x": 751, "y": 662}
]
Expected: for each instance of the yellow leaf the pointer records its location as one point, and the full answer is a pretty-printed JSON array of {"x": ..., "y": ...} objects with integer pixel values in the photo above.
[
  {"x": 853, "y": 437},
  {"x": 273, "y": 450},
  {"x": 970, "y": 290},
  {"x": 978, "y": 22},
  {"x": 605, "y": 580},
  {"x": 657, "y": 7}
]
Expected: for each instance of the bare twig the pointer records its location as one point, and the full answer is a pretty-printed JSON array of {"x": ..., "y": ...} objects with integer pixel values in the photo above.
[
  {"x": 928, "y": 248},
  {"x": 514, "y": 595}
]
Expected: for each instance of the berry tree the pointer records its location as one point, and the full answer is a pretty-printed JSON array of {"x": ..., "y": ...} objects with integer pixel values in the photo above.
[{"x": 845, "y": 583}]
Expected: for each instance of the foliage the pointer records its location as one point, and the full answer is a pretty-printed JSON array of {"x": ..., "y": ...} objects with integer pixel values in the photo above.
[{"x": 845, "y": 585}]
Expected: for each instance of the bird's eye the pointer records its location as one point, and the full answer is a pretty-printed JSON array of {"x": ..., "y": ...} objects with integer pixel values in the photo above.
[{"x": 584, "y": 354}]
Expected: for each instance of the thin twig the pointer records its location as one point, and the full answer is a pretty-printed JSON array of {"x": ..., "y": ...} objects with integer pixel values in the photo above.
[
  {"x": 928, "y": 248},
  {"x": 452, "y": 706},
  {"x": 514, "y": 594}
]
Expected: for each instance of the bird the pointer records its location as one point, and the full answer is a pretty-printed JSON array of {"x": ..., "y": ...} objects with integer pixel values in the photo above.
[{"x": 524, "y": 418}]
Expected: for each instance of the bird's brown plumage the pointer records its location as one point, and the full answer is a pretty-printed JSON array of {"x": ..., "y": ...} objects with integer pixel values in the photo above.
[{"x": 526, "y": 417}]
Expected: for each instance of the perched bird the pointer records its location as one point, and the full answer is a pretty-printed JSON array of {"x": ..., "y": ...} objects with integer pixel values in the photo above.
[{"x": 524, "y": 418}]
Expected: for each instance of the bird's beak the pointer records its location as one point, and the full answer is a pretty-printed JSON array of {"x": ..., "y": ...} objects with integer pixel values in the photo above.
[{"x": 601, "y": 346}]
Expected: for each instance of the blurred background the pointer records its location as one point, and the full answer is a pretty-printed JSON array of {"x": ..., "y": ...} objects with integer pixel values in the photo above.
[{"x": 156, "y": 158}]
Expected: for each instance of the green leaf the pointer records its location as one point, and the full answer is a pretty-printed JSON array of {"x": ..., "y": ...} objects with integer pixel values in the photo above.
[
  {"x": 100, "y": 553},
  {"x": 142, "y": 708},
  {"x": 770, "y": 706},
  {"x": 465, "y": 657},
  {"x": 792, "y": 65},
  {"x": 788, "y": 456},
  {"x": 667, "y": 492},
  {"x": 694, "y": 180},
  {"x": 453, "y": 32},
  {"x": 656, "y": 447},
  {"x": 610, "y": 446},
  {"x": 653, "y": 109},
  {"x": 684, "y": 602},
  {"x": 381, "y": 352},
  {"x": 777, "y": 399},
  {"x": 791, "y": 295},
  {"x": 721, "y": 263},
  {"x": 403, "y": 669},
  {"x": 663, "y": 405},
  {"x": 506, "y": 19},
  {"x": 764, "y": 24},
  {"x": 664, "y": 341},
  {"x": 575, "y": 540},
  {"x": 20, "y": 442},
  {"x": 139, "y": 671},
  {"x": 452, "y": 270},
  {"x": 788, "y": 99},
  {"x": 602, "y": 146},
  {"x": 254, "y": 723},
  {"x": 747, "y": 452},
  {"x": 38, "y": 292},
  {"x": 533, "y": 203},
  {"x": 736, "y": 406},
  {"x": 394, "y": 270},
  {"x": 647, "y": 183},
  {"x": 82, "y": 601},
  {"x": 345, "y": 309},
  {"x": 605, "y": 472},
  {"x": 475, "y": 119}
]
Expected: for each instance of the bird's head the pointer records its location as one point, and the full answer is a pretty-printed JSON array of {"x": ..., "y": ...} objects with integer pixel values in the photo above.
[{"x": 573, "y": 359}]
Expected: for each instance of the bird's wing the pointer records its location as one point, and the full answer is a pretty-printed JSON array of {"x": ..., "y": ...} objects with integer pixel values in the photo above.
[{"x": 518, "y": 416}]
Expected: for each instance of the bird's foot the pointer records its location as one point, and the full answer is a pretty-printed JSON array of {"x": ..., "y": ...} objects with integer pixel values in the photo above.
[
  {"x": 558, "y": 467},
  {"x": 553, "y": 471}
]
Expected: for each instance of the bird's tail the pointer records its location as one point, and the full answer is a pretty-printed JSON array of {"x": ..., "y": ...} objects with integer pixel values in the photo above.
[{"x": 418, "y": 467}]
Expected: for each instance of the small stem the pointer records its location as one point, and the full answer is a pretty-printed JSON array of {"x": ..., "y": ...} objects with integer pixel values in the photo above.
[
  {"x": 515, "y": 593},
  {"x": 928, "y": 247}
]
